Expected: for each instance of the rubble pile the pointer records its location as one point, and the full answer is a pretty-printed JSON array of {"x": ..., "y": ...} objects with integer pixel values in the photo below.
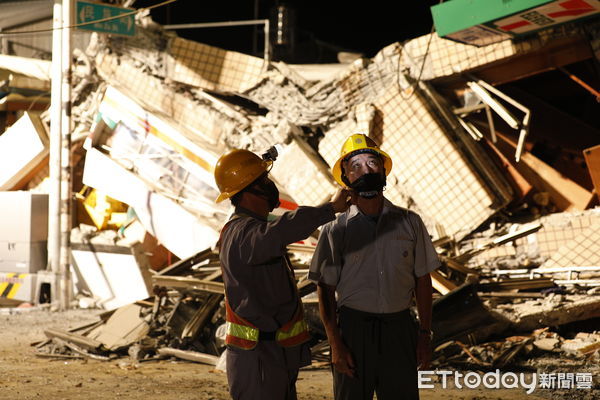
[{"x": 519, "y": 240}]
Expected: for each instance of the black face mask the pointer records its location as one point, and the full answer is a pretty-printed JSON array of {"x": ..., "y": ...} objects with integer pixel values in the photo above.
[
  {"x": 369, "y": 185},
  {"x": 268, "y": 190}
]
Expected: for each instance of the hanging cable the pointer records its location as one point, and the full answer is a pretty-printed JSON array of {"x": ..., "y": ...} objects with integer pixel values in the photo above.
[{"x": 414, "y": 84}]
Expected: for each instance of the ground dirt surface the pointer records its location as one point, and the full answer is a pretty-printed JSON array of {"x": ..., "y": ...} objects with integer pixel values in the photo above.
[{"x": 24, "y": 375}]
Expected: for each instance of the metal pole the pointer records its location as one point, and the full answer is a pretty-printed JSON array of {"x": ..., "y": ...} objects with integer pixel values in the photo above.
[
  {"x": 267, "y": 52},
  {"x": 65, "y": 174},
  {"x": 55, "y": 144}
]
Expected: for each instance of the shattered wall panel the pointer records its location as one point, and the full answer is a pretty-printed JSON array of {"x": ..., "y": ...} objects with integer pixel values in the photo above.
[
  {"x": 200, "y": 122},
  {"x": 180, "y": 231},
  {"x": 582, "y": 250},
  {"x": 438, "y": 178},
  {"x": 558, "y": 230},
  {"x": 427, "y": 164},
  {"x": 360, "y": 119},
  {"x": 445, "y": 57},
  {"x": 301, "y": 176},
  {"x": 330, "y": 145},
  {"x": 160, "y": 155},
  {"x": 212, "y": 68},
  {"x": 23, "y": 147},
  {"x": 113, "y": 276},
  {"x": 32, "y": 67}
]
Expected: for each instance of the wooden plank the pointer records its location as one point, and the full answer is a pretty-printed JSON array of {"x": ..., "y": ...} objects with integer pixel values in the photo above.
[
  {"x": 441, "y": 284},
  {"x": 28, "y": 177},
  {"x": 565, "y": 194},
  {"x": 202, "y": 314},
  {"x": 82, "y": 341},
  {"x": 557, "y": 53},
  {"x": 457, "y": 266},
  {"x": 512, "y": 295},
  {"x": 516, "y": 284},
  {"x": 214, "y": 275},
  {"x": 189, "y": 355},
  {"x": 592, "y": 160},
  {"x": 189, "y": 283},
  {"x": 24, "y": 147},
  {"x": 517, "y": 180}
]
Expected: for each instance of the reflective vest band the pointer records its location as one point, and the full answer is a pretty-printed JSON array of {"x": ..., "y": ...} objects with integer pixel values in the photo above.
[
  {"x": 240, "y": 333},
  {"x": 297, "y": 334},
  {"x": 241, "y": 336},
  {"x": 244, "y": 335}
]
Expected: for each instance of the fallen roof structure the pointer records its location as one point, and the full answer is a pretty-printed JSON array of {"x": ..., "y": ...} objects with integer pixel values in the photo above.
[{"x": 517, "y": 239}]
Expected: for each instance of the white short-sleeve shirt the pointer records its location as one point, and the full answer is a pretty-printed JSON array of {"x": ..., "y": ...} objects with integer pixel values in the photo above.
[{"x": 373, "y": 263}]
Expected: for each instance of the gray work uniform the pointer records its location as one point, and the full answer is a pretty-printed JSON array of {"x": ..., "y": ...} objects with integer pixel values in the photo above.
[
  {"x": 259, "y": 288},
  {"x": 373, "y": 264}
]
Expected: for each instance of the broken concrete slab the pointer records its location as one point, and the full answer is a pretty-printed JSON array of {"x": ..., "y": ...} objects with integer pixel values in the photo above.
[
  {"x": 309, "y": 181},
  {"x": 431, "y": 173},
  {"x": 212, "y": 68},
  {"x": 123, "y": 328},
  {"x": 161, "y": 216},
  {"x": 582, "y": 250},
  {"x": 23, "y": 148},
  {"x": 551, "y": 311},
  {"x": 114, "y": 275},
  {"x": 557, "y": 229},
  {"x": 31, "y": 67}
]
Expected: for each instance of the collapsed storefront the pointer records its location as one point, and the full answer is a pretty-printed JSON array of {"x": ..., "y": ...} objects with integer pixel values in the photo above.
[{"x": 515, "y": 226}]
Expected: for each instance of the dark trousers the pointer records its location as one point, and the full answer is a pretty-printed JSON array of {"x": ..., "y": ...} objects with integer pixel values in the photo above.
[
  {"x": 384, "y": 350},
  {"x": 263, "y": 373}
]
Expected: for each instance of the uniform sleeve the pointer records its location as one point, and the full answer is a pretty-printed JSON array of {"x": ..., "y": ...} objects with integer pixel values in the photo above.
[
  {"x": 262, "y": 241},
  {"x": 426, "y": 258},
  {"x": 326, "y": 264}
]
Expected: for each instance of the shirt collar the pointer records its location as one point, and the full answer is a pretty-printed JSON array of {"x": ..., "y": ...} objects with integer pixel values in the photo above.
[{"x": 353, "y": 210}]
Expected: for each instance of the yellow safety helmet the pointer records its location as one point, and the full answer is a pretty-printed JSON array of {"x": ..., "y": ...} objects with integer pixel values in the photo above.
[
  {"x": 237, "y": 169},
  {"x": 359, "y": 143}
]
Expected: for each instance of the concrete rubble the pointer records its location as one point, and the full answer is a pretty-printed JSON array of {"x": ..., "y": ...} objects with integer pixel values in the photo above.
[{"x": 519, "y": 242}]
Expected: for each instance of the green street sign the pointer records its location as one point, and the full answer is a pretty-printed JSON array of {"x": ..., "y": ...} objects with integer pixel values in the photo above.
[{"x": 88, "y": 11}]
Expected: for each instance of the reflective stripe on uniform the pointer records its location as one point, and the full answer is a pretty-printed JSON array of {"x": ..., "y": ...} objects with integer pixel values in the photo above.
[
  {"x": 242, "y": 334},
  {"x": 297, "y": 328},
  {"x": 241, "y": 331}
]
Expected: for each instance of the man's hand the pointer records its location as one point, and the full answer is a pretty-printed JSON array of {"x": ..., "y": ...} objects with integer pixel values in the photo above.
[
  {"x": 423, "y": 350},
  {"x": 342, "y": 359},
  {"x": 341, "y": 200}
]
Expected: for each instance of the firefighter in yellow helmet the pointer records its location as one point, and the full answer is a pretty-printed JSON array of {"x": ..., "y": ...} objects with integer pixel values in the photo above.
[
  {"x": 266, "y": 332},
  {"x": 367, "y": 264}
]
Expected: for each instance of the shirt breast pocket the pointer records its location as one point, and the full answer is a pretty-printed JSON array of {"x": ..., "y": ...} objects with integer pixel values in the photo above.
[{"x": 400, "y": 251}]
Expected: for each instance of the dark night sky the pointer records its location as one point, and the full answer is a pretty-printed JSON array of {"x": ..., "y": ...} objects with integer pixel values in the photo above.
[{"x": 322, "y": 27}]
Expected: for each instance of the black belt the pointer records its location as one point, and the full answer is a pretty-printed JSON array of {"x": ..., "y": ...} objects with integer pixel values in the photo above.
[{"x": 266, "y": 336}]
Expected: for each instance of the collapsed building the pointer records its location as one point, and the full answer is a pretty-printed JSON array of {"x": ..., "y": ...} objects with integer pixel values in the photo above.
[{"x": 506, "y": 184}]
